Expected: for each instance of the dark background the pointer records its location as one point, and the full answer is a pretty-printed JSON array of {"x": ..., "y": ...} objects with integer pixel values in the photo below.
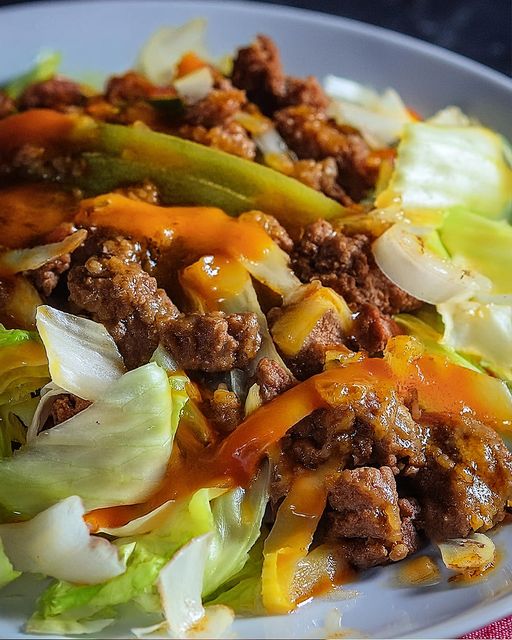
[{"x": 478, "y": 29}]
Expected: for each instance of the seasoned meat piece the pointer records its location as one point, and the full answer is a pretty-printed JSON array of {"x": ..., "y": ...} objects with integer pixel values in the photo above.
[
  {"x": 47, "y": 277},
  {"x": 230, "y": 137},
  {"x": 7, "y": 105},
  {"x": 467, "y": 480},
  {"x": 346, "y": 264},
  {"x": 215, "y": 109},
  {"x": 304, "y": 91},
  {"x": 126, "y": 300},
  {"x": 359, "y": 437},
  {"x": 273, "y": 228},
  {"x": 224, "y": 410},
  {"x": 213, "y": 341},
  {"x": 66, "y": 406},
  {"x": 327, "y": 334},
  {"x": 372, "y": 329},
  {"x": 56, "y": 93},
  {"x": 129, "y": 87},
  {"x": 367, "y": 517},
  {"x": 257, "y": 69},
  {"x": 322, "y": 176},
  {"x": 311, "y": 134},
  {"x": 107, "y": 243},
  {"x": 272, "y": 379}
]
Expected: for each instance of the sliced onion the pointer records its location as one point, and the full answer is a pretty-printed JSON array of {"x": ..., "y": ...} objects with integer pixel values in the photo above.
[
  {"x": 195, "y": 86},
  {"x": 468, "y": 554},
  {"x": 351, "y": 91},
  {"x": 18, "y": 260},
  {"x": 403, "y": 258}
]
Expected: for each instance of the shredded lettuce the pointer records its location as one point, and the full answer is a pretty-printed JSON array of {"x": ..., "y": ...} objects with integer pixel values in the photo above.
[
  {"x": 114, "y": 452},
  {"x": 232, "y": 520}
]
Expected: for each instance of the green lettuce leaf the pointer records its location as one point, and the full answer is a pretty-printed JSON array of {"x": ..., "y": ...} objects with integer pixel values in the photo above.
[
  {"x": 7, "y": 572},
  {"x": 440, "y": 167},
  {"x": 233, "y": 522},
  {"x": 114, "y": 452},
  {"x": 432, "y": 339},
  {"x": 45, "y": 67},
  {"x": 482, "y": 245},
  {"x": 23, "y": 370}
]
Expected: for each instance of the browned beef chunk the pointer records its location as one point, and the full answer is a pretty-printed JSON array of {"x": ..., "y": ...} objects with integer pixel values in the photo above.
[
  {"x": 129, "y": 87},
  {"x": 230, "y": 137},
  {"x": 358, "y": 437},
  {"x": 467, "y": 480},
  {"x": 321, "y": 175},
  {"x": 258, "y": 69},
  {"x": 372, "y": 329},
  {"x": 67, "y": 406},
  {"x": 366, "y": 518},
  {"x": 346, "y": 264},
  {"x": 7, "y": 105},
  {"x": 215, "y": 109},
  {"x": 272, "y": 379},
  {"x": 56, "y": 93},
  {"x": 107, "y": 243},
  {"x": 126, "y": 300},
  {"x": 213, "y": 341},
  {"x": 47, "y": 277},
  {"x": 327, "y": 334},
  {"x": 312, "y": 135},
  {"x": 224, "y": 410},
  {"x": 273, "y": 228},
  {"x": 304, "y": 91}
]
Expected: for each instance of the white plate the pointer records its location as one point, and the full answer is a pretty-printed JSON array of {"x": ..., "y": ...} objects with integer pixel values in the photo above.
[{"x": 104, "y": 37}]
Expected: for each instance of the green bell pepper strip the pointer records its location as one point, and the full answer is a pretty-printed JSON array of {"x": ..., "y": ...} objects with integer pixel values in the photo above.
[{"x": 185, "y": 172}]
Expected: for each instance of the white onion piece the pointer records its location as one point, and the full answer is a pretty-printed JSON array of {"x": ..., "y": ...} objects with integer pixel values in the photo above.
[
  {"x": 270, "y": 142},
  {"x": 466, "y": 554},
  {"x": 82, "y": 356},
  {"x": 195, "y": 85},
  {"x": 159, "y": 56},
  {"x": 57, "y": 543},
  {"x": 18, "y": 260},
  {"x": 351, "y": 91},
  {"x": 402, "y": 257}
]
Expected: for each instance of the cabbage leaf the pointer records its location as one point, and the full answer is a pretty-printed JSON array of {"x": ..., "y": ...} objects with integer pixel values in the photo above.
[{"x": 114, "y": 452}]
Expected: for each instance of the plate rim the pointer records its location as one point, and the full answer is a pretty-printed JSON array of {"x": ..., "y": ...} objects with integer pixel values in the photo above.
[{"x": 501, "y": 606}]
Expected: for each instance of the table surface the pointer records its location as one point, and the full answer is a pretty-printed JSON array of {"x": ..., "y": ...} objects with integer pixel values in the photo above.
[{"x": 478, "y": 29}]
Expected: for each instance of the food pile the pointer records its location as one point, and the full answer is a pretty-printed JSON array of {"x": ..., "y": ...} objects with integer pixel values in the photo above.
[{"x": 256, "y": 336}]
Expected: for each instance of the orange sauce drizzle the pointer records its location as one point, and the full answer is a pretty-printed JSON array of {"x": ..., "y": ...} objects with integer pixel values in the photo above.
[
  {"x": 202, "y": 230},
  {"x": 38, "y": 127},
  {"x": 31, "y": 210},
  {"x": 441, "y": 387}
]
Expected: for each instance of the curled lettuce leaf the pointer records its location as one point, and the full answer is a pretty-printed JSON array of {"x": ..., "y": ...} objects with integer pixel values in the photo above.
[
  {"x": 23, "y": 370},
  {"x": 114, "y": 452},
  {"x": 82, "y": 356},
  {"x": 57, "y": 543}
]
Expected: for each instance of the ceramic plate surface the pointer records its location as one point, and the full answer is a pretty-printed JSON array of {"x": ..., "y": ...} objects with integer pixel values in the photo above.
[{"x": 103, "y": 37}]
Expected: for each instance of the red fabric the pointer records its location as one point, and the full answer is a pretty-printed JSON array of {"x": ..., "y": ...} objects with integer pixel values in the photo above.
[{"x": 502, "y": 629}]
